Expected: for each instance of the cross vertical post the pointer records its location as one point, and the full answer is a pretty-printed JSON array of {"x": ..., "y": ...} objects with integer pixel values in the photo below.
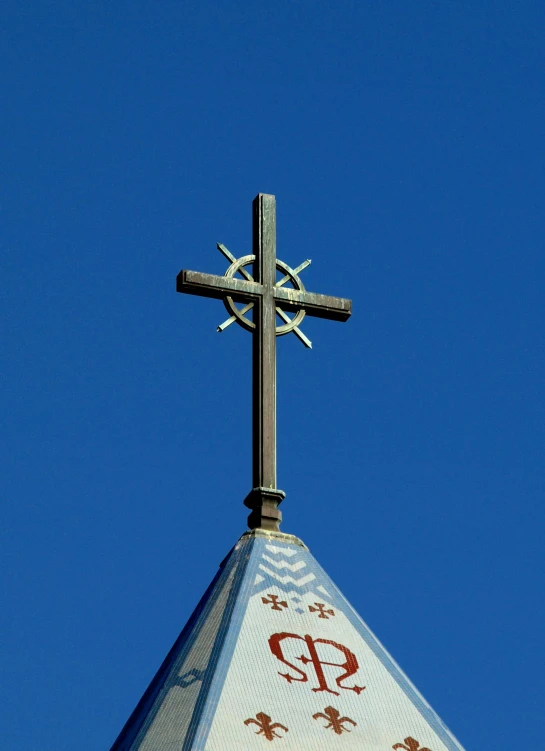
[{"x": 264, "y": 497}]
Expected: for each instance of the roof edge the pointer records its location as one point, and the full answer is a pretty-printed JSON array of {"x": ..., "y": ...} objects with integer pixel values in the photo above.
[{"x": 273, "y": 535}]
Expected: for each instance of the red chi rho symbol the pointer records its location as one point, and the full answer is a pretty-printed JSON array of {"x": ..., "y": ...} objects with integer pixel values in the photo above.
[{"x": 350, "y": 665}]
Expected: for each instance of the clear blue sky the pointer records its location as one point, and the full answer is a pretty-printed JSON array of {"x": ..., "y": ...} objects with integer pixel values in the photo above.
[{"x": 404, "y": 143}]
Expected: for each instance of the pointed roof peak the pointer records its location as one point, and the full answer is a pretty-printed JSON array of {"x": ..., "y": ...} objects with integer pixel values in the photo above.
[
  {"x": 275, "y": 652},
  {"x": 273, "y": 536}
]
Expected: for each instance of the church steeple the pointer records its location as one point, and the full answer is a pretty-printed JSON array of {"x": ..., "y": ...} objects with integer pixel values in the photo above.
[{"x": 273, "y": 652}]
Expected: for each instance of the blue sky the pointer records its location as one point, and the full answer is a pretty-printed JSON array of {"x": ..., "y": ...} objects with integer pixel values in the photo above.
[{"x": 404, "y": 143}]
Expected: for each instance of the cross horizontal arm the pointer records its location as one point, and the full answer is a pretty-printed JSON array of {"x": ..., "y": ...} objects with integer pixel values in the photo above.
[
  {"x": 320, "y": 306},
  {"x": 210, "y": 285}
]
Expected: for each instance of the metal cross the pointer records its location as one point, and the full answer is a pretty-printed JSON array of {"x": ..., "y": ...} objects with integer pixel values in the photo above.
[{"x": 268, "y": 297}]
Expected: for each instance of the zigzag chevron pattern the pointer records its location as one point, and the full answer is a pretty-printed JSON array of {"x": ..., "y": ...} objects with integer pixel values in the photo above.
[
  {"x": 283, "y": 564},
  {"x": 285, "y": 551},
  {"x": 288, "y": 579}
]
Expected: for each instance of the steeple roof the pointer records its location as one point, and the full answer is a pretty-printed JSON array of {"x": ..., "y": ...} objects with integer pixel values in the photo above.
[{"x": 274, "y": 653}]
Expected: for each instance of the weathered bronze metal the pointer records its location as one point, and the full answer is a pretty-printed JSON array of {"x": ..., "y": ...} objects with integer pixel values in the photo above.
[{"x": 267, "y": 297}]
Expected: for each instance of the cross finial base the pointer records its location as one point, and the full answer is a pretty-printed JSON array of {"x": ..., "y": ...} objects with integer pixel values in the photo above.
[{"x": 264, "y": 503}]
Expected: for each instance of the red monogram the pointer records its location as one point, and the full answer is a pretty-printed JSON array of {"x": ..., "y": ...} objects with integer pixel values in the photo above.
[{"x": 350, "y": 665}]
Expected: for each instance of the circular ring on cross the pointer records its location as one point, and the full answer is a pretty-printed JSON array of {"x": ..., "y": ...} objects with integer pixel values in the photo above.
[{"x": 247, "y": 323}]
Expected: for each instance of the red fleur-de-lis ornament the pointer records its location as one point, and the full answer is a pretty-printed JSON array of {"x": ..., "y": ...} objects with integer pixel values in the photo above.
[
  {"x": 410, "y": 745},
  {"x": 334, "y": 720},
  {"x": 266, "y": 727}
]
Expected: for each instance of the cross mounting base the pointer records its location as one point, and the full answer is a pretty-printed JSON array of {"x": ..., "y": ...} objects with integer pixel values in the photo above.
[{"x": 264, "y": 503}]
